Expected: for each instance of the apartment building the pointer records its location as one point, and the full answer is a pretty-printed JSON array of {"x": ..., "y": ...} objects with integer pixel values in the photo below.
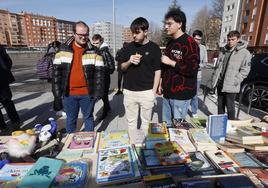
[
  {"x": 254, "y": 27},
  {"x": 231, "y": 19},
  {"x": 105, "y": 29},
  {"x": 65, "y": 29},
  {"x": 12, "y": 29}
]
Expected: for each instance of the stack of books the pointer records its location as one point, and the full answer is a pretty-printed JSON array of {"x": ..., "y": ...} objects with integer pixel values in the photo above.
[{"x": 157, "y": 133}]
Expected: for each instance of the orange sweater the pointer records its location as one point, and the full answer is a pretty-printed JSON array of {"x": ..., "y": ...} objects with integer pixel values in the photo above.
[{"x": 78, "y": 84}]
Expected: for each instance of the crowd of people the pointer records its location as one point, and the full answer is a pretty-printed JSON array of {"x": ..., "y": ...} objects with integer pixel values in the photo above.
[{"x": 82, "y": 69}]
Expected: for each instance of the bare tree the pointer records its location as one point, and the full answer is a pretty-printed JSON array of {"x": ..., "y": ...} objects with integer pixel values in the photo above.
[
  {"x": 217, "y": 9},
  {"x": 155, "y": 33}
]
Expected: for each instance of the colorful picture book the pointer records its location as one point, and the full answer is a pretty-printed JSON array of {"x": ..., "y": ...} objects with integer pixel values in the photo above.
[
  {"x": 171, "y": 153},
  {"x": 181, "y": 137},
  {"x": 222, "y": 161},
  {"x": 217, "y": 127},
  {"x": 11, "y": 171},
  {"x": 114, "y": 164},
  {"x": 82, "y": 140},
  {"x": 150, "y": 158},
  {"x": 111, "y": 139},
  {"x": 157, "y": 128},
  {"x": 72, "y": 174},
  {"x": 42, "y": 174}
]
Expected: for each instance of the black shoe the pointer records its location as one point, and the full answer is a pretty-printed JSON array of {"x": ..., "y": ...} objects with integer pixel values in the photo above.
[{"x": 119, "y": 92}]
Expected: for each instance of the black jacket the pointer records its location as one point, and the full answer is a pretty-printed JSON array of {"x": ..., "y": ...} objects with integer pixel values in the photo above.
[
  {"x": 107, "y": 58},
  {"x": 93, "y": 67},
  {"x": 6, "y": 76}
]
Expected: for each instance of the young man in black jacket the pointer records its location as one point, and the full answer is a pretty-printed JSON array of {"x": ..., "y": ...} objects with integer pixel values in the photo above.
[
  {"x": 103, "y": 50},
  {"x": 6, "y": 78}
]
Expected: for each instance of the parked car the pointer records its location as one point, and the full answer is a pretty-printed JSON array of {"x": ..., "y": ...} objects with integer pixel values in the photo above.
[{"x": 258, "y": 76}]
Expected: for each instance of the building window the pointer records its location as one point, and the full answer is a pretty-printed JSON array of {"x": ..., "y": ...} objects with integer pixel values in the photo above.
[
  {"x": 266, "y": 39},
  {"x": 226, "y": 18},
  {"x": 251, "y": 28},
  {"x": 230, "y": 17},
  {"x": 232, "y": 6},
  {"x": 254, "y": 13},
  {"x": 228, "y": 7}
]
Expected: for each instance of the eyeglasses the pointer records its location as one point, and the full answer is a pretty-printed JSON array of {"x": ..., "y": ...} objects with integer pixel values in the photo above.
[{"x": 82, "y": 35}]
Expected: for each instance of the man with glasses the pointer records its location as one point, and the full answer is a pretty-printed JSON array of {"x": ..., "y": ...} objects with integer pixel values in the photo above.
[
  {"x": 179, "y": 71},
  {"x": 78, "y": 77},
  {"x": 108, "y": 59},
  {"x": 141, "y": 61},
  {"x": 197, "y": 35},
  {"x": 232, "y": 67}
]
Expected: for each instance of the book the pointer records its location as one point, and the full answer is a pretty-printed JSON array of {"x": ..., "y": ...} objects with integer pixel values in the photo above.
[
  {"x": 114, "y": 164},
  {"x": 242, "y": 138},
  {"x": 70, "y": 155},
  {"x": 217, "y": 127},
  {"x": 230, "y": 147},
  {"x": 255, "y": 147},
  {"x": 12, "y": 171},
  {"x": 111, "y": 139},
  {"x": 265, "y": 137},
  {"x": 72, "y": 174},
  {"x": 243, "y": 160},
  {"x": 197, "y": 183},
  {"x": 200, "y": 165},
  {"x": 82, "y": 140},
  {"x": 42, "y": 174},
  {"x": 159, "y": 181},
  {"x": 181, "y": 137},
  {"x": 261, "y": 156},
  {"x": 201, "y": 140},
  {"x": 262, "y": 175},
  {"x": 248, "y": 130},
  {"x": 150, "y": 158},
  {"x": 157, "y": 128},
  {"x": 222, "y": 161},
  {"x": 171, "y": 153},
  {"x": 239, "y": 181},
  {"x": 252, "y": 177}
]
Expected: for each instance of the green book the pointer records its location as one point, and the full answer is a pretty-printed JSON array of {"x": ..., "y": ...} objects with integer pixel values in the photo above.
[{"x": 42, "y": 174}]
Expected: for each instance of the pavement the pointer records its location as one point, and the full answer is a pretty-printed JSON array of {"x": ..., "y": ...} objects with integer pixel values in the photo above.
[{"x": 36, "y": 107}]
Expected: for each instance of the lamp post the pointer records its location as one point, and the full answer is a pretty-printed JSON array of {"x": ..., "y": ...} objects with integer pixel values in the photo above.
[{"x": 114, "y": 29}]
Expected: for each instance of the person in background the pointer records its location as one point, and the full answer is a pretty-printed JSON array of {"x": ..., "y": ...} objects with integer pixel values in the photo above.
[
  {"x": 6, "y": 78},
  {"x": 108, "y": 60},
  {"x": 141, "y": 60},
  {"x": 179, "y": 69},
  {"x": 232, "y": 67},
  {"x": 78, "y": 77},
  {"x": 118, "y": 58},
  {"x": 197, "y": 35}
]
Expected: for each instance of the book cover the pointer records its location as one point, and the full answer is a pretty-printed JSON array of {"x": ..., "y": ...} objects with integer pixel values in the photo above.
[
  {"x": 42, "y": 174},
  {"x": 114, "y": 164},
  {"x": 11, "y": 171},
  {"x": 200, "y": 165},
  {"x": 222, "y": 161},
  {"x": 197, "y": 183},
  {"x": 217, "y": 127},
  {"x": 239, "y": 181},
  {"x": 261, "y": 156},
  {"x": 149, "y": 144},
  {"x": 243, "y": 160},
  {"x": 181, "y": 137},
  {"x": 82, "y": 140},
  {"x": 159, "y": 181},
  {"x": 171, "y": 153},
  {"x": 201, "y": 140},
  {"x": 72, "y": 174},
  {"x": 157, "y": 128},
  {"x": 150, "y": 158},
  {"x": 111, "y": 139}
]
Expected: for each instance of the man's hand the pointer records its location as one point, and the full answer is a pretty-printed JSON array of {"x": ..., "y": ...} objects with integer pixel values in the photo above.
[
  {"x": 167, "y": 61},
  {"x": 135, "y": 59},
  {"x": 159, "y": 90}
]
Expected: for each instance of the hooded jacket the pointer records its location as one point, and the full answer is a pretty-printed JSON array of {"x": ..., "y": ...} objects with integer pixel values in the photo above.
[
  {"x": 107, "y": 58},
  {"x": 238, "y": 67},
  {"x": 93, "y": 67}
]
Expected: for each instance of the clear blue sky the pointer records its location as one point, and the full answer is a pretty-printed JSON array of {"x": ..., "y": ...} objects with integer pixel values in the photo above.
[{"x": 92, "y": 11}]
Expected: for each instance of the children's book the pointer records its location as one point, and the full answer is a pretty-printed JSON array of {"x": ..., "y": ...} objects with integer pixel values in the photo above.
[
  {"x": 217, "y": 127},
  {"x": 150, "y": 158},
  {"x": 200, "y": 165},
  {"x": 222, "y": 161},
  {"x": 11, "y": 171},
  {"x": 181, "y": 137},
  {"x": 243, "y": 160},
  {"x": 171, "y": 153},
  {"x": 159, "y": 181},
  {"x": 42, "y": 174},
  {"x": 157, "y": 128},
  {"x": 201, "y": 140},
  {"x": 72, "y": 174},
  {"x": 114, "y": 164},
  {"x": 111, "y": 139},
  {"x": 82, "y": 140}
]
